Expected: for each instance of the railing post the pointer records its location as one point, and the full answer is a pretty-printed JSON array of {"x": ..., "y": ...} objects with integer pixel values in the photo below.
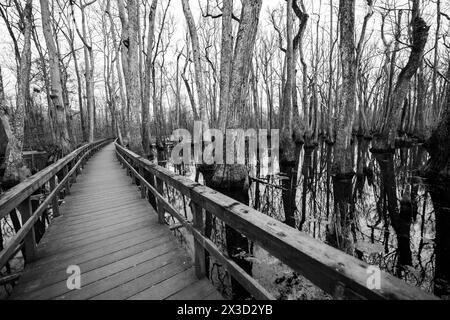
[
  {"x": 160, "y": 206},
  {"x": 133, "y": 178},
  {"x": 199, "y": 251},
  {"x": 128, "y": 169},
  {"x": 141, "y": 173},
  {"x": 65, "y": 172},
  {"x": 26, "y": 212},
  {"x": 55, "y": 206},
  {"x": 151, "y": 180},
  {"x": 84, "y": 159},
  {"x": 74, "y": 176}
]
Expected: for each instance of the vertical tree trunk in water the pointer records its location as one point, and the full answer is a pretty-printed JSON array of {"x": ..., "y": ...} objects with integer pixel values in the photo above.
[
  {"x": 419, "y": 128},
  {"x": 401, "y": 219},
  {"x": 290, "y": 139},
  {"x": 384, "y": 142},
  {"x": 308, "y": 174},
  {"x": 342, "y": 169},
  {"x": 61, "y": 133},
  {"x": 231, "y": 179}
]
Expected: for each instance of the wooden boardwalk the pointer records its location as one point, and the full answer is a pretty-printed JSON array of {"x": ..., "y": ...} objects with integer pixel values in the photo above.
[{"x": 113, "y": 236}]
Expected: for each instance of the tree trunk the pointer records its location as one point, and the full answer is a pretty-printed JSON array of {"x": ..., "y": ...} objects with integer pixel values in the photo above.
[
  {"x": 339, "y": 229},
  {"x": 134, "y": 92},
  {"x": 14, "y": 131},
  {"x": 386, "y": 138},
  {"x": 123, "y": 98},
  {"x": 148, "y": 83},
  {"x": 61, "y": 133},
  {"x": 125, "y": 67},
  {"x": 197, "y": 63},
  {"x": 84, "y": 130},
  {"x": 89, "y": 74},
  {"x": 226, "y": 60}
]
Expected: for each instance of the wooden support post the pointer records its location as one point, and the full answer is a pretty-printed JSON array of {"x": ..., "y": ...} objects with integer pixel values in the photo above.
[
  {"x": 133, "y": 178},
  {"x": 151, "y": 197},
  {"x": 199, "y": 250},
  {"x": 26, "y": 212},
  {"x": 55, "y": 206},
  {"x": 141, "y": 173},
  {"x": 65, "y": 172},
  {"x": 161, "y": 210},
  {"x": 85, "y": 159},
  {"x": 77, "y": 170}
]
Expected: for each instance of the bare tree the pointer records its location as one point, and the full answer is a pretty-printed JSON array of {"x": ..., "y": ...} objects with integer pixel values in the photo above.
[
  {"x": 342, "y": 169},
  {"x": 14, "y": 130},
  {"x": 146, "y": 134},
  {"x": 59, "y": 111},
  {"x": 197, "y": 62},
  {"x": 88, "y": 64}
]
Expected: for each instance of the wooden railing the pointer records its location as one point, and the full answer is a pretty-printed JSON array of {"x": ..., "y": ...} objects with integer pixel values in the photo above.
[
  {"x": 337, "y": 273},
  {"x": 59, "y": 175}
]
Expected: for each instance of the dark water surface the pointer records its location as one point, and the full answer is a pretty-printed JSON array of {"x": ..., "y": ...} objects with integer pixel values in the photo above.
[{"x": 373, "y": 236}]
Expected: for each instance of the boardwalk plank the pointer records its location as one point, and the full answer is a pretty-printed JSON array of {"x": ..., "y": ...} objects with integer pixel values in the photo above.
[
  {"x": 87, "y": 277},
  {"x": 150, "y": 280},
  {"x": 126, "y": 276},
  {"x": 198, "y": 291},
  {"x": 84, "y": 230},
  {"x": 168, "y": 287},
  {"x": 53, "y": 248},
  {"x": 50, "y": 264}
]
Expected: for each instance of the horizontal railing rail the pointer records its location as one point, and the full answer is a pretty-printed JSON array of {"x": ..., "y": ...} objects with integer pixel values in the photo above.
[
  {"x": 332, "y": 270},
  {"x": 20, "y": 197}
]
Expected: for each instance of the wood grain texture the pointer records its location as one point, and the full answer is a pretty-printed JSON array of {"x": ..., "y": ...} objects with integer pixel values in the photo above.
[{"x": 114, "y": 236}]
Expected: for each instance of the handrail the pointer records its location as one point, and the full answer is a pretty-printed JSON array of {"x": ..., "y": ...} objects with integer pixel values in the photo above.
[
  {"x": 332, "y": 270},
  {"x": 20, "y": 197}
]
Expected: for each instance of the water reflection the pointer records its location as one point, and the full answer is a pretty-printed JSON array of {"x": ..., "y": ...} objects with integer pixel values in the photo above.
[{"x": 392, "y": 225}]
